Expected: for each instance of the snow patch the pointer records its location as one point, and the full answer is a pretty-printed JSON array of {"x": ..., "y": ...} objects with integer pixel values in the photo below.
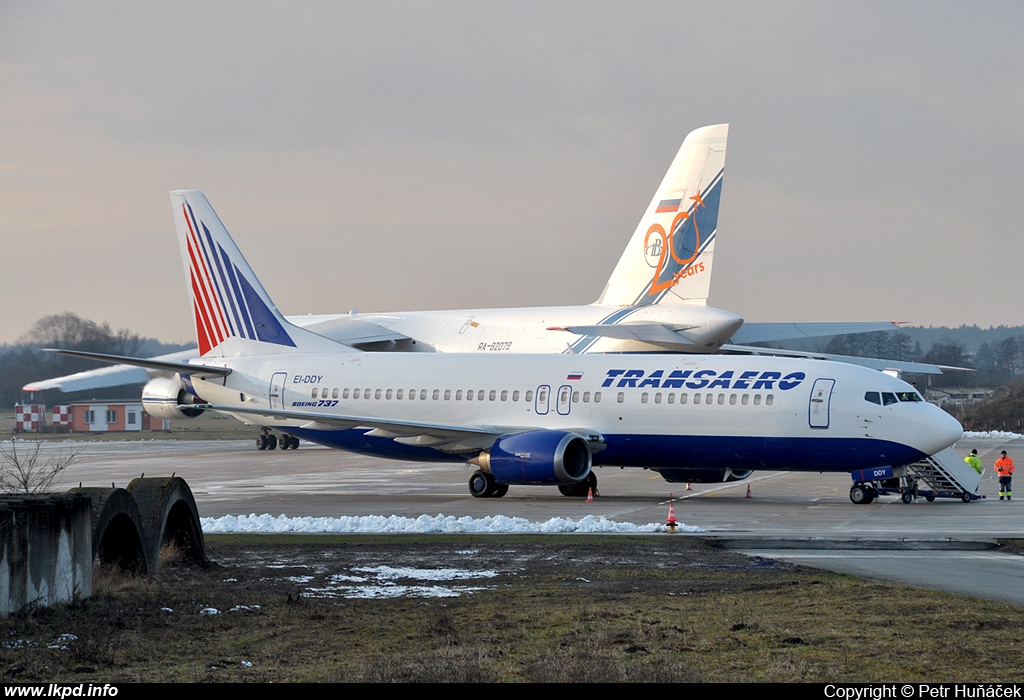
[
  {"x": 440, "y": 524},
  {"x": 991, "y": 435}
]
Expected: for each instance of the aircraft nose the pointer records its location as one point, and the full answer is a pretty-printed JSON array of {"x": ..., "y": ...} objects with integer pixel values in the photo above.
[{"x": 939, "y": 430}]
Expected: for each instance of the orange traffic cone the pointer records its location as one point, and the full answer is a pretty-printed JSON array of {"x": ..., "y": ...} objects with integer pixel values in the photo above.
[
  {"x": 671, "y": 521},
  {"x": 688, "y": 486},
  {"x": 590, "y": 495},
  {"x": 748, "y": 491}
]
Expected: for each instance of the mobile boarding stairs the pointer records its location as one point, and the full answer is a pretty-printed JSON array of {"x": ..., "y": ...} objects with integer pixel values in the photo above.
[{"x": 943, "y": 475}]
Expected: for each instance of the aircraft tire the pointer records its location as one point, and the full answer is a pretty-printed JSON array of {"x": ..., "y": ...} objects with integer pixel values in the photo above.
[
  {"x": 481, "y": 484},
  {"x": 295, "y": 442},
  {"x": 271, "y": 442},
  {"x": 261, "y": 442},
  {"x": 861, "y": 494},
  {"x": 580, "y": 488},
  {"x": 499, "y": 490},
  {"x": 284, "y": 443}
]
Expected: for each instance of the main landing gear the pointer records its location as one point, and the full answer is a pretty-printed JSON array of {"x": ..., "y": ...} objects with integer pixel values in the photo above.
[
  {"x": 483, "y": 485},
  {"x": 581, "y": 488},
  {"x": 268, "y": 441}
]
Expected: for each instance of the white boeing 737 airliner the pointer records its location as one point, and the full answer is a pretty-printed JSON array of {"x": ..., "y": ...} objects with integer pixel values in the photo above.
[
  {"x": 654, "y": 301},
  {"x": 525, "y": 418}
]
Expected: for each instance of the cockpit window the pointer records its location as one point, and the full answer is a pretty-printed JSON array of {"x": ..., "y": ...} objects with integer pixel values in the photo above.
[
  {"x": 873, "y": 397},
  {"x": 908, "y": 396},
  {"x": 888, "y": 398}
]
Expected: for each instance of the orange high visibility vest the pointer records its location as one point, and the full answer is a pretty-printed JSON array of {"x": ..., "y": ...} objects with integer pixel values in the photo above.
[{"x": 1004, "y": 466}]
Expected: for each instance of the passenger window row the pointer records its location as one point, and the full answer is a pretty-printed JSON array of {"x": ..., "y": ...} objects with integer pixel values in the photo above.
[
  {"x": 436, "y": 395},
  {"x": 709, "y": 398},
  {"x": 527, "y": 396}
]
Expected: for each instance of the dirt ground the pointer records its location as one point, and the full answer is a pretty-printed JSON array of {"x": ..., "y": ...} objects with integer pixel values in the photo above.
[
  {"x": 569, "y": 558},
  {"x": 532, "y": 608}
]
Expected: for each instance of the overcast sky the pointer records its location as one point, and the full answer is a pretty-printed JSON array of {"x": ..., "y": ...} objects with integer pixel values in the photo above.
[{"x": 418, "y": 155}]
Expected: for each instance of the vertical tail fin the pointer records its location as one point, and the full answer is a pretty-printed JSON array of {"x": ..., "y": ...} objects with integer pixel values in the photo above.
[
  {"x": 668, "y": 259},
  {"x": 228, "y": 302}
]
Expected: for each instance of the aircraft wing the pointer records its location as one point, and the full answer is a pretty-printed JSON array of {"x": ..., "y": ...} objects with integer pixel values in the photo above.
[
  {"x": 342, "y": 329},
  {"x": 769, "y": 332},
  {"x": 870, "y": 362},
  {"x": 116, "y": 375},
  {"x": 663, "y": 334},
  {"x": 441, "y": 436}
]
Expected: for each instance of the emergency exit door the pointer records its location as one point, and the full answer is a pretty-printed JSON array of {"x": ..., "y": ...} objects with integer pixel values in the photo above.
[{"x": 821, "y": 399}]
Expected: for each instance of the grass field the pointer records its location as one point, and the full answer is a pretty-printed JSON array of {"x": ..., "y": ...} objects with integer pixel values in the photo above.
[{"x": 559, "y": 609}]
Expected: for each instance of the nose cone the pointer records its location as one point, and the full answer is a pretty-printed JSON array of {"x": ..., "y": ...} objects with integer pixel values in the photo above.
[{"x": 939, "y": 430}]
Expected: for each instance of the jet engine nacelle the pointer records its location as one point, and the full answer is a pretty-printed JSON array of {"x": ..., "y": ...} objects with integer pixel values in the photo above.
[
  {"x": 704, "y": 476},
  {"x": 162, "y": 397},
  {"x": 540, "y": 457}
]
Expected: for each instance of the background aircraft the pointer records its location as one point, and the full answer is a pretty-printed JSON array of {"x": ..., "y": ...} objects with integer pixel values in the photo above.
[
  {"x": 521, "y": 418},
  {"x": 654, "y": 301}
]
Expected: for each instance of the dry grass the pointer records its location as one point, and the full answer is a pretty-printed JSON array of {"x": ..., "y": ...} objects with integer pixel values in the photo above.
[{"x": 562, "y": 610}]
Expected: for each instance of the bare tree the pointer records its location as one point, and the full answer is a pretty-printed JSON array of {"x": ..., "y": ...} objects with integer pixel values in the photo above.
[{"x": 29, "y": 470}]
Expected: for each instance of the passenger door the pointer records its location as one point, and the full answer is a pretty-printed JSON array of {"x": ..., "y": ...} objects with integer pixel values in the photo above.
[{"x": 821, "y": 399}]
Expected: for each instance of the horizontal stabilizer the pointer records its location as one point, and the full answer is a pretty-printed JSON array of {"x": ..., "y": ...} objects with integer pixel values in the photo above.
[
  {"x": 655, "y": 333},
  {"x": 347, "y": 330},
  {"x": 118, "y": 375},
  {"x": 148, "y": 363},
  {"x": 770, "y": 332},
  {"x": 102, "y": 377}
]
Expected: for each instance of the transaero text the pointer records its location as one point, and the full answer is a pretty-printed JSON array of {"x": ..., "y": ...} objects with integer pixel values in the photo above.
[{"x": 702, "y": 379}]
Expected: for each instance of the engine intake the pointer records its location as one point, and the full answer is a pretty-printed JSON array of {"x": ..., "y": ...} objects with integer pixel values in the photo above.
[
  {"x": 162, "y": 398},
  {"x": 538, "y": 457}
]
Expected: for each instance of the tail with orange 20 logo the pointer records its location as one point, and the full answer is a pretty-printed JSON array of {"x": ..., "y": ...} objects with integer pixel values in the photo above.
[{"x": 668, "y": 259}]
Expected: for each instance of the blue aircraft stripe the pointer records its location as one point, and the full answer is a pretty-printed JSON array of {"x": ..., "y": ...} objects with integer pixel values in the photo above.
[
  {"x": 662, "y": 293},
  {"x": 669, "y": 451},
  {"x": 224, "y": 268},
  {"x": 220, "y": 283},
  {"x": 268, "y": 328},
  {"x": 233, "y": 273}
]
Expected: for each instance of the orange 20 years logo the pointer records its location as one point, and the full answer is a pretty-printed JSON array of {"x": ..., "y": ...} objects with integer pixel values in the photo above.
[{"x": 664, "y": 246}]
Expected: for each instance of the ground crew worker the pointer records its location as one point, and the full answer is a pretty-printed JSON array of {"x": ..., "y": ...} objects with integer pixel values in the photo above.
[
  {"x": 972, "y": 459},
  {"x": 1004, "y": 468}
]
